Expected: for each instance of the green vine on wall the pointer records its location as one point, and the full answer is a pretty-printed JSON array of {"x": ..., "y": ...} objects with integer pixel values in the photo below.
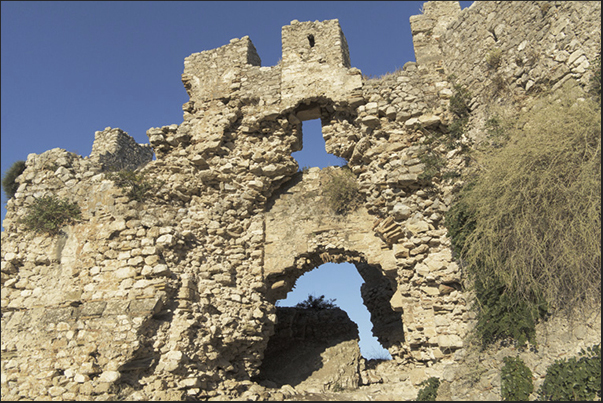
[
  {"x": 574, "y": 379},
  {"x": 516, "y": 380},
  {"x": 429, "y": 392}
]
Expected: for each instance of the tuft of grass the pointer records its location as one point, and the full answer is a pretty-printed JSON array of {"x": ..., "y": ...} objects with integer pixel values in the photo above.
[
  {"x": 429, "y": 392},
  {"x": 494, "y": 58},
  {"x": 459, "y": 102},
  {"x": 342, "y": 192},
  {"x": 595, "y": 82},
  {"x": 136, "y": 185},
  {"x": 9, "y": 185}
]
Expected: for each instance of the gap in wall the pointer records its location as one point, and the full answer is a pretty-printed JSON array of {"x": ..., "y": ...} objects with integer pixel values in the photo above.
[
  {"x": 313, "y": 152},
  {"x": 340, "y": 282}
]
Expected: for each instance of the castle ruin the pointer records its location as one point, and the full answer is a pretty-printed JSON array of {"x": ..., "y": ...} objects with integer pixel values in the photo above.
[{"x": 173, "y": 297}]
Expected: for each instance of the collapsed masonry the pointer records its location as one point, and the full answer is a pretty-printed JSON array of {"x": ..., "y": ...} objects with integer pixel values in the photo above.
[{"x": 174, "y": 297}]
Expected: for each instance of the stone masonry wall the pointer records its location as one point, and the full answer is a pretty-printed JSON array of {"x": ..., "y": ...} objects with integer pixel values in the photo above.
[
  {"x": 115, "y": 150},
  {"x": 316, "y": 349},
  {"x": 173, "y": 297}
]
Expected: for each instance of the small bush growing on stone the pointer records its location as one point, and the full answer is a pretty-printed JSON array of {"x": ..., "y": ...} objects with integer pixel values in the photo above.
[
  {"x": 429, "y": 392},
  {"x": 494, "y": 58},
  {"x": 135, "y": 183},
  {"x": 459, "y": 101},
  {"x": 496, "y": 132},
  {"x": 574, "y": 380},
  {"x": 317, "y": 303},
  {"x": 433, "y": 162},
  {"x": 516, "y": 380},
  {"x": 8, "y": 181},
  {"x": 48, "y": 214},
  {"x": 544, "y": 7},
  {"x": 498, "y": 84},
  {"x": 342, "y": 191}
]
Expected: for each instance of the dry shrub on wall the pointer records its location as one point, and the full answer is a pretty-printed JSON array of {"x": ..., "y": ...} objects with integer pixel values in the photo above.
[
  {"x": 341, "y": 191},
  {"x": 536, "y": 207}
]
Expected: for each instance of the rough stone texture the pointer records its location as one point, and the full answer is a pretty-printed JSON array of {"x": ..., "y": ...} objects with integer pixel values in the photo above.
[
  {"x": 312, "y": 350},
  {"x": 114, "y": 150},
  {"x": 173, "y": 297}
]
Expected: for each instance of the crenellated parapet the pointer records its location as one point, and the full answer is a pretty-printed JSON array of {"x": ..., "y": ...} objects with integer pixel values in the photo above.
[{"x": 315, "y": 64}]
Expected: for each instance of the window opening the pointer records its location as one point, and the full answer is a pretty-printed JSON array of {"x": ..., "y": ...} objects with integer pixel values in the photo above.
[
  {"x": 313, "y": 152},
  {"x": 311, "y": 40},
  {"x": 340, "y": 282}
]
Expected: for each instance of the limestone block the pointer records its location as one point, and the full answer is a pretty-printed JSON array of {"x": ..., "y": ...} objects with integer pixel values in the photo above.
[
  {"x": 444, "y": 289},
  {"x": 401, "y": 211},
  {"x": 125, "y": 272},
  {"x": 408, "y": 179},
  {"x": 391, "y": 113},
  {"x": 400, "y": 251},
  {"x": 450, "y": 341},
  {"x": 371, "y": 121},
  {"x": 419, "y": 250},
  {"x": 433, "y": 291},
  {"x": 109, "y": 376},
  {"x": 445, "y": 93},
  {"x": 429, "y": 120},
  {"x": 397, "y": 302},
  {"x": 411, "y": 123},
  {"x": 417, "y": 225}
]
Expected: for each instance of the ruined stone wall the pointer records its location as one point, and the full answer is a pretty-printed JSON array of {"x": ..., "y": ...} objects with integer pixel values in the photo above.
[
  {"x": 316, "y": 349},
  {"x": 173, "y": 297},
  {"x": 114, "y": 150},
  {"x": 504, "y": 53}
]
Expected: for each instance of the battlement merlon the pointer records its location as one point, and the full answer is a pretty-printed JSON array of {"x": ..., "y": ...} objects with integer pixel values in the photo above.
[
  {"x": 113, "y": 149},
  {"x": 318, "y": 41},
  {"x": 211, "y": 74},
  {"x": 316, "y": 64}
]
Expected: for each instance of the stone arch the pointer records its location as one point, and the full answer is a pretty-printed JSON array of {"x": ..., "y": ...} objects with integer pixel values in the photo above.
[
  {"x": 302, "y": 234},
  {"x": 319, "y": 348},
  {"x": 376, "y": 291}
]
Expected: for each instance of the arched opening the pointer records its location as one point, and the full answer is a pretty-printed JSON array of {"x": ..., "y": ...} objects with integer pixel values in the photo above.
[
  {"x": 340, "y": 282},
  {"x": 313, "y": 152},
  {"x": 312, "y": 346}
]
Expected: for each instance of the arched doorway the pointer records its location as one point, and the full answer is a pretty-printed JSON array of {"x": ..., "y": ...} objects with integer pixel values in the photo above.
[
  {"x": 320, "y": 346},
  {"x": 341, "y": 283}
]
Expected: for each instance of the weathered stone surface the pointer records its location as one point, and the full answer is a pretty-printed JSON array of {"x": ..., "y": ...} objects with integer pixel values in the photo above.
[
  {"x": 176, "y": 293},
  {"x": 312, "y": 350}
]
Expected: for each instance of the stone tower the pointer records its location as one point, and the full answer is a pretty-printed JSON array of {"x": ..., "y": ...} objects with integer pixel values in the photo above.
[{"x": 316, "y": 64}]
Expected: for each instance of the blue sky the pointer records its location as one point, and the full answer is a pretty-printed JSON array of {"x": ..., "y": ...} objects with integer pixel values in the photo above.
[{"x": 72, "y": 68}]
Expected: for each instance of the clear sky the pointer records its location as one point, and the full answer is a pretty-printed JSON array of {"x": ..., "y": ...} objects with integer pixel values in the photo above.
[{"x": 72, "y": 68}]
